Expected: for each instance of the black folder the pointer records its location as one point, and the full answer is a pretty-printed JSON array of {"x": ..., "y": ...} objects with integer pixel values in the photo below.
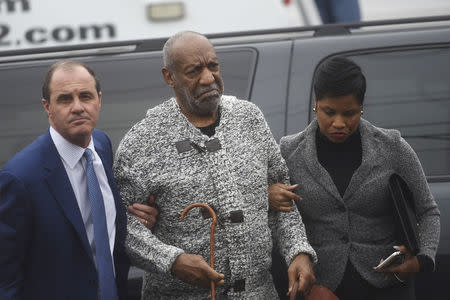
[{"x": 404, "y": 213}]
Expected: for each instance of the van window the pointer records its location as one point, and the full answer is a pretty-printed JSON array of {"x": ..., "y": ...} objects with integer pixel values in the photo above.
[
  {"x": 409, "y": 90},
  {"x": 131, "y": 84}
]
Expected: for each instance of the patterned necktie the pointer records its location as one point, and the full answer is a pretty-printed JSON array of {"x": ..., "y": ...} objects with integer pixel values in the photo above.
[{"x": 107, "y": 283}]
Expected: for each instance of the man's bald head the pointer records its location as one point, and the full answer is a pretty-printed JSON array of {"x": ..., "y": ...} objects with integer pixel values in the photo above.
[
  {"x": 170, "y": 47},
  {"x": 192, "y": 69}
]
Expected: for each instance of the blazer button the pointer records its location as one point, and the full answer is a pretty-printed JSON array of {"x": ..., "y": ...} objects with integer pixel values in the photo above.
[{"x": 344, "y": 239}]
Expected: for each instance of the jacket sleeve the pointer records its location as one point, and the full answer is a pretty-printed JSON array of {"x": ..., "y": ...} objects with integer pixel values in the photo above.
[
  {"x": 145, "y": 250},
  {"x": 288, "y": 230},
  {"x": 14, "y": 234},
  {"x": 410, "y": 169}
]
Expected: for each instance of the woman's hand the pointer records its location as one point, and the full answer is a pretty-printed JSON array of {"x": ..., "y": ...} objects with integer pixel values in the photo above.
[
  {"x": 281, "y": 196},
  {"x": 408, "y": 268},
  {"x": 147, "y": 214}
]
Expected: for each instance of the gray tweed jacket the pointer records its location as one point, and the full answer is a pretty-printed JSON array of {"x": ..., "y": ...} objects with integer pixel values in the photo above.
[
  {"x": 359, "y": 226},
  {"x": 233, "y": 180}
]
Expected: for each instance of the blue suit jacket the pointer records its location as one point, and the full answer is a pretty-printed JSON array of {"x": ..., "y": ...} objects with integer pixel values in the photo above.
[{"x": 44, "y": 250}]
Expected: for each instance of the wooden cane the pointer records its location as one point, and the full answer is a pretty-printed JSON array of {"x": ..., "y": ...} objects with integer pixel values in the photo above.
[{"x": 211, "y": 238}]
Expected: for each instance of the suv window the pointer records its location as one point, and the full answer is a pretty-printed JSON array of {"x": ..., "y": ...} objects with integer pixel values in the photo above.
[
  {"x": 409, "y": 90},
  {"x": 131, "y": 84}
]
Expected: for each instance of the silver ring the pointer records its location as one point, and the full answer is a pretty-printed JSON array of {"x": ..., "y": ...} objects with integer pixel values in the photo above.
[
  {"x": 145, "y": 222},
  {"x": 398, "y": 278}
]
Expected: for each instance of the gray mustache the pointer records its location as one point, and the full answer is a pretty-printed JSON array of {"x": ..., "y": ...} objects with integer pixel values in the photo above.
[{"x": 212, "y": 87}]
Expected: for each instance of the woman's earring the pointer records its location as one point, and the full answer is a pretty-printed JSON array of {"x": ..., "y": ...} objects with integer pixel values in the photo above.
[
  {"x": 314, "y": 109},
  {"x": 362, "y": 112}
]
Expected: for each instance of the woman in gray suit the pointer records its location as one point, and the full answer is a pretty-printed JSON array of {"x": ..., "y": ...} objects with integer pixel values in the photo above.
[{"x": 342, "y": 164}]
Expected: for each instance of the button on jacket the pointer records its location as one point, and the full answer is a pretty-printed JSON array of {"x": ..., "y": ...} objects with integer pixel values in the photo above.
[
  {"x": 165, "y": 155},
  {"x": 360, "y": 225}
]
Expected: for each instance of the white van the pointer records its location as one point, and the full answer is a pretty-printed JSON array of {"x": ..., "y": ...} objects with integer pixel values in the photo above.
[{"x": 42, "y": 23}]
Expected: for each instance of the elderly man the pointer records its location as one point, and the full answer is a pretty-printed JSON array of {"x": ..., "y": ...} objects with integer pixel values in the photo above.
[{"x": 204, "y": 147}]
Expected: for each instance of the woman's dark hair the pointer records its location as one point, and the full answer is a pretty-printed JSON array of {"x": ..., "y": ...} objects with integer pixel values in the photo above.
[{"x": 339, "y": 76}]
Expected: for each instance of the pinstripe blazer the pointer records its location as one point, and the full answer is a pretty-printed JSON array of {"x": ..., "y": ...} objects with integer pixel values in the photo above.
[{"x": 358, "y": 226}]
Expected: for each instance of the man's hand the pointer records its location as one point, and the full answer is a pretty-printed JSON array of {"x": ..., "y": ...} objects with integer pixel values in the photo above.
[
  {"x": 193, "y": 269},
  {"x": 301, "y": 270},
  {"x": 281, "y": 196},
  {"x": 145, "y": 213},
  {"x": 408, "y": 268}
]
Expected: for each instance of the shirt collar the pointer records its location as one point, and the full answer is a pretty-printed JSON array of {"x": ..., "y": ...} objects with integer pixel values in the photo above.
[{"x": 69, "y": 152}]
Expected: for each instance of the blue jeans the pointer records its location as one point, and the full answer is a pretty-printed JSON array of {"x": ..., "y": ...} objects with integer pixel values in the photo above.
[{"x": 338, "y": 11}]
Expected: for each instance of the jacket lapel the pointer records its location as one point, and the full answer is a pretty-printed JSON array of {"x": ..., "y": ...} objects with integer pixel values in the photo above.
[
  {"x": 307, "y": 152},
  {"x": 59, "y": 185},
  {"x": 371, "y": 157}
]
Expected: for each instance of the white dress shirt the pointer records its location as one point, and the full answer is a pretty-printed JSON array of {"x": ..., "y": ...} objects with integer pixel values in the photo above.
[{"x": 75, "y": 165}]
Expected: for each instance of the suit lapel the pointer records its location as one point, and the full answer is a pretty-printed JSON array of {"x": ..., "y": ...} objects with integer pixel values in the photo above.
[
  {"x": 371, "y": 158},
  {"x": 307, "y": 152},
  {"x": 59, "y": 185}
]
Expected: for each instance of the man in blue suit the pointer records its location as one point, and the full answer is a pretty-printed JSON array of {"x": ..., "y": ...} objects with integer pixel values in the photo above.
[{"x": 62, "y": 222}]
